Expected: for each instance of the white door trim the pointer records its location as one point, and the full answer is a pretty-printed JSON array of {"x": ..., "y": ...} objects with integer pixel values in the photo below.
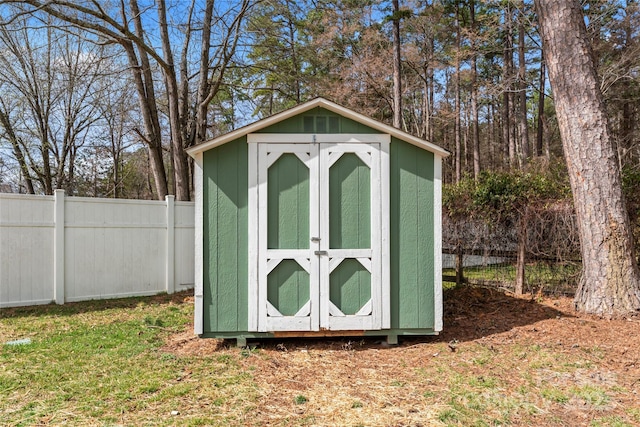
[
  {"x": 269, "y": 319},
  {"x": 369, "y": 153},
  {"x": 373, "y": 150}
]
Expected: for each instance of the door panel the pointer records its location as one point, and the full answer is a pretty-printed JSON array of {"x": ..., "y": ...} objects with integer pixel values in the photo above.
[
  {"x": 349, "y": 203},
  {"x": 287, "y": 284},
  {"x": 350, "y": 286},
  {"x": 319, "y": 236},
  {"x": 288, "y": 288},
  {"x": 288, "y": 203}
]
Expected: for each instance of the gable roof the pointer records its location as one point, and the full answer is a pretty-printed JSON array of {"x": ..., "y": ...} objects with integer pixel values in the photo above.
[{"x": 323, "y": 103}]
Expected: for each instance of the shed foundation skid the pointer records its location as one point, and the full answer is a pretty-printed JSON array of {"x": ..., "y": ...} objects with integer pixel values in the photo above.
[{"x": 391, "y": 336}]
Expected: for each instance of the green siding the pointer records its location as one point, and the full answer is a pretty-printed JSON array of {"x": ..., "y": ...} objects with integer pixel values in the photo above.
[
  {"x": 225, "y": 188},
  {"x": 288, "y": 287},
  {"x": 288, "y": 204},
  {"x": 349, "y": 203},
  {"x": 225, "y": 193},
  {"x": 296, "y": 124},
  {"x": 412, "y": 257},
  {"x": 350, "y": 286}
]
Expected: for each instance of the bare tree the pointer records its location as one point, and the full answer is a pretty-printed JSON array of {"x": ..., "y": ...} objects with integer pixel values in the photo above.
[
  {"x": 421, "y": 58},
  {"x": 48, "y": 81},
  {"x": 457, "y": 101},
  {"x": 507, "y": 81},
  {"x": 523, "y": 126},
  {"x": 397, "y": 67},
  {"x": 116, "y": 109},
  {"x": 540, "y": 120},
  {"x": 219, "y": 32},
  {"x": 11, "y": 135},
  {"x": 610, "y": 285},
  {"x": 353, "y": 57},
  {"x": 475, "y": 127}
]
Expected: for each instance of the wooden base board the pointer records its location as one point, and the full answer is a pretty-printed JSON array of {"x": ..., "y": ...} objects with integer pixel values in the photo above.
[{"x": 311, "y": 334}]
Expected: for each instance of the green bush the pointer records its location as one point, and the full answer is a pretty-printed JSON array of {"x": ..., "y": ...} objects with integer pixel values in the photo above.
[{"x": 501, "y": 195}]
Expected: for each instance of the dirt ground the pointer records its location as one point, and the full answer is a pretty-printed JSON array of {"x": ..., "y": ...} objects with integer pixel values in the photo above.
[{"x": 499, "y": 361}]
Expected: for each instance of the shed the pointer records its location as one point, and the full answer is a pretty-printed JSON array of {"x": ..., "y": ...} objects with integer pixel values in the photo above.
[{"x": 318, "y": 221}]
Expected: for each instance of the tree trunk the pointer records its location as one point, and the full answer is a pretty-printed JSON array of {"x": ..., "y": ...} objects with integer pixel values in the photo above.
[
  {"x": 507, "y": 77},
  {"x": 44, "y": 109},
  {"x": 540, "y": 130},
  {"x": 491, "y": 138},
  {"x": 150, "y": 138},
  {"x": 432, "y": 107},
  {"x": 147, "y": 100},
  {"x": 10, "y": 134},
  {"x": 296, "y": 66},
  {"x": 610, "y": 283},
  {"x": 522, "y": 252},
  {"x": 459, "y": 263},
  {"x": 426, "y": 111},
  {"x": 180, "y": 167},
  {"x": 397, "y": 68},
  {"x": 522, "y": 88},
  {"x": 475, "y": 136},
  {"x": 203, "y": 86},
  {"x": 457, "y": 123}
]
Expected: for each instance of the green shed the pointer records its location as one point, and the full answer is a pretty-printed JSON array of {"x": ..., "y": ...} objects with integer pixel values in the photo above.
[{"x": 318, "y": 221}]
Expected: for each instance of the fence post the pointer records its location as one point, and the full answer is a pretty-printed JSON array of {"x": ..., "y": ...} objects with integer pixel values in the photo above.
[
  {"x": 58, "y": 247},
  {"x": 170, "y": 261}
]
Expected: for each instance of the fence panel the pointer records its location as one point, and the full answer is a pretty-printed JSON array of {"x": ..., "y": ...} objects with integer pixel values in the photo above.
[
  {"x": 114, "y": 248},
  {"x": 26, "y": 246},
  {"x": 76, "y": 248},
  {"x": 184, "y": 244}
]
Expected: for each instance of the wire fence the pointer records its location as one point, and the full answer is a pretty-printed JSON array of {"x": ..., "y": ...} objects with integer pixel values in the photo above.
[{"x": 486, "y": 253}]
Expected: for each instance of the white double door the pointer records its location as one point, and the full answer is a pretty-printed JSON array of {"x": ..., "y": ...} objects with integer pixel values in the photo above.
[{"x": 320, "y": 236}]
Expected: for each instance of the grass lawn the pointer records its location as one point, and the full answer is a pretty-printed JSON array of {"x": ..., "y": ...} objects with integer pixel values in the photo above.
[
  {"x": 103, "y": 363},
  {"x": 500, "y": 361}
]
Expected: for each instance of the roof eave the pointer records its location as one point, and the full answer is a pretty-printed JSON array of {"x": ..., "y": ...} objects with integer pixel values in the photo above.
[{"x": 318, "y": 102}]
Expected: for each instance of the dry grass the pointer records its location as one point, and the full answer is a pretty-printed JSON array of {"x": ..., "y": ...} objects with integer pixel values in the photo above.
[{"x": 500, "y": 361}]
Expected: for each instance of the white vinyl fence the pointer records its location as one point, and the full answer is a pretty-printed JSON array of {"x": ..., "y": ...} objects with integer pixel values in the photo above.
[{"x": 62, "y": 249}]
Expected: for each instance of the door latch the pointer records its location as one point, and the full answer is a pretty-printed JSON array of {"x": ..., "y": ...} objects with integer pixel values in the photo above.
[
  {"x": 321, "y": 252},
  {"x": 315, "y": 239}
]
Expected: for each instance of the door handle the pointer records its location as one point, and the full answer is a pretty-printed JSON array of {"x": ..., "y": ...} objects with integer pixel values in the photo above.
[
  {"x": 321, "y": 252},
  {"x": 315, "y": 239}
]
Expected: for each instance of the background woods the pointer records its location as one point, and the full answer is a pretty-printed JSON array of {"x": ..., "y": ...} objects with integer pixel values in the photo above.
[{"x": 90, "y": 89}]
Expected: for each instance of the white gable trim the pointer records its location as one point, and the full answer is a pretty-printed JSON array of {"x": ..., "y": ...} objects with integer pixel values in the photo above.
[{"x": 323, "y": 103}]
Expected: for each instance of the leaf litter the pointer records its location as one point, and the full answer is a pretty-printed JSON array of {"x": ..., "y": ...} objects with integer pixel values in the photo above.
[{"x": 500, "y": 360}]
